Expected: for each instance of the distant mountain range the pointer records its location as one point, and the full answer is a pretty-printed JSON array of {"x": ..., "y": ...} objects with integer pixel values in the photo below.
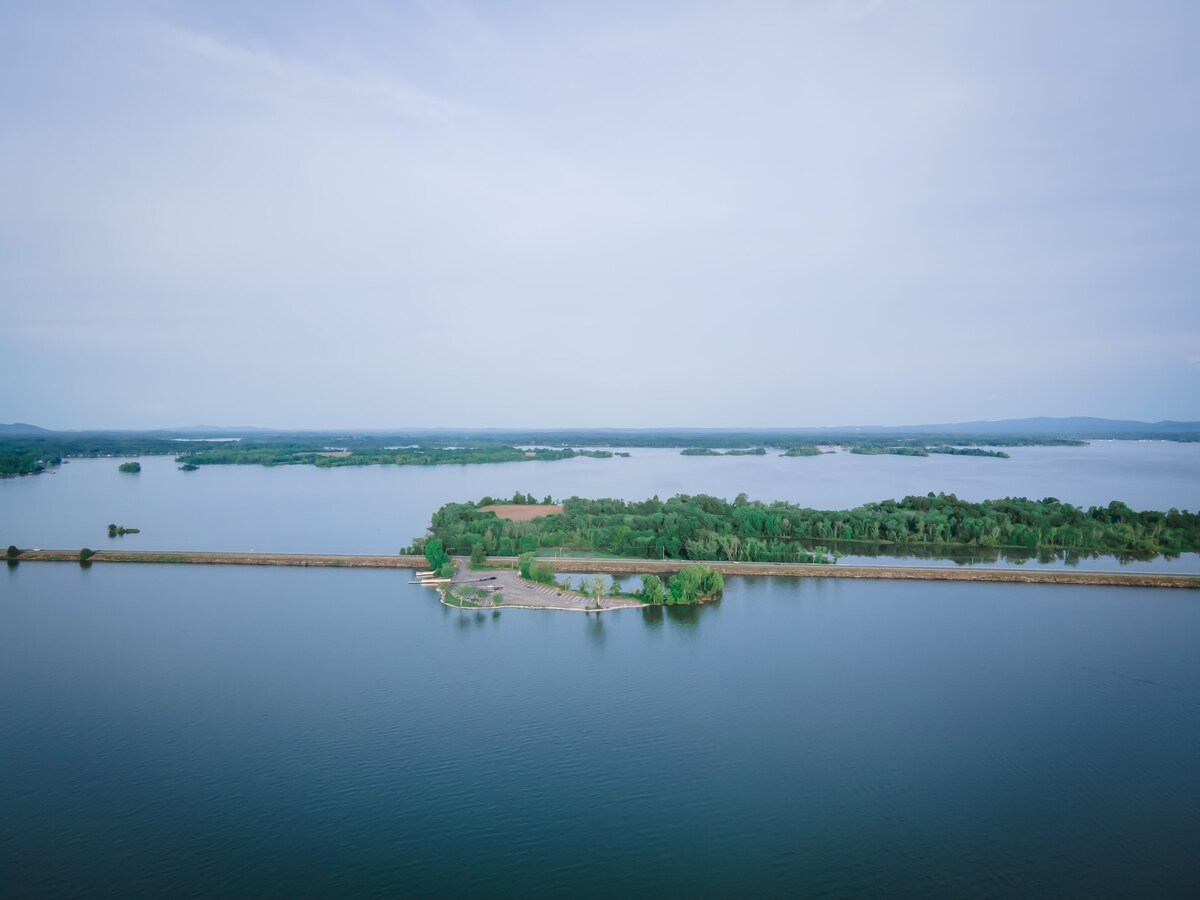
[
  {"x": 213, "y": 430},
  {"x": 1072, "y": 426},
  {"x": 1042, "y": 426}
]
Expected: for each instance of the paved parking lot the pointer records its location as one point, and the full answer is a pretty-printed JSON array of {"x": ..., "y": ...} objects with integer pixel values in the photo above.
[{"x": 516, "y": 591}]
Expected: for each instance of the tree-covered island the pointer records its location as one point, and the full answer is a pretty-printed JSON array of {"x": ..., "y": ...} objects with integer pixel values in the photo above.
[
  {"x": 709, "y": 451},
  {"x": 682, "y": 528},
  {"x": 292, "y": 455},
  {"x": 691, "y": 584},
  {"x": 32, "y": 453},
  {"x": 910, "y": 449},
  {"x": 709, "y": 528}
]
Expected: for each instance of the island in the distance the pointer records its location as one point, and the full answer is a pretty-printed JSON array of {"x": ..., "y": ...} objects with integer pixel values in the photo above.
[
  {"x": 917, "y": 449},
  {"x": 28, "y": 450},
  {"x": 299, "y": 454},
  {"x": 709, "y": 451}
]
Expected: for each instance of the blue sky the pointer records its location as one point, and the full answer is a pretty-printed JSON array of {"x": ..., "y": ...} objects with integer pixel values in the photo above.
[{"x": 586, "y": 214}]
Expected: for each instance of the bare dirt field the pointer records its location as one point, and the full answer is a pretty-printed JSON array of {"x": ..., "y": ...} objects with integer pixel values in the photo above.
[{"x": 522, "y": 512}]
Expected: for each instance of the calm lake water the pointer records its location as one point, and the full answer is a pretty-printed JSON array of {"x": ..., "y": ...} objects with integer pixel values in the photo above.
[
  {"x": 174, "y": 730},
  {"x": 171, "y": 730},
  {"x": 379, "y": 509}
]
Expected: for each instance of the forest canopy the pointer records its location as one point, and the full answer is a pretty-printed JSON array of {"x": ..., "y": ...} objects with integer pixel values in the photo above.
[{"x": 702, "y": 527}]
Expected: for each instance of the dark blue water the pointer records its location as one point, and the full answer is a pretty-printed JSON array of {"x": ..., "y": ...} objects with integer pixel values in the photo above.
[{"x": 191, "y": 730}]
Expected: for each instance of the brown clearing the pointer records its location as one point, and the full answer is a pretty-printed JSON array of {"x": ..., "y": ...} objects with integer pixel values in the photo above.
[{"x": 522, "y": 512}]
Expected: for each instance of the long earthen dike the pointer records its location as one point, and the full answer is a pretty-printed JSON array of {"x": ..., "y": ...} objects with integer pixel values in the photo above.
[{"x": 633, "y": 567}]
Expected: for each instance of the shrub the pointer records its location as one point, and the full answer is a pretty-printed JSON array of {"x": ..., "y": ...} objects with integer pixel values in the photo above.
[
  {"x": 13, "y": 552},
  {"x": 85, "y": 554},
  {"x": 542, "y": 572}
]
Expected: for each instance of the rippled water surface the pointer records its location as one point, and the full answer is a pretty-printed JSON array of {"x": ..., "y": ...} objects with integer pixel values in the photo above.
[{"x": 185, "y": 729}]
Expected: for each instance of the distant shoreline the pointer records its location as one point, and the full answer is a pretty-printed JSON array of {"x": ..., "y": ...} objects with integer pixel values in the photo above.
[{"x": 634, "y": 567}]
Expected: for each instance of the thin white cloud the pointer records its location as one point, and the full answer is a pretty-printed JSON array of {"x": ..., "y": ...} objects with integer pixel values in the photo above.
[{"x": 723, "y": 204}]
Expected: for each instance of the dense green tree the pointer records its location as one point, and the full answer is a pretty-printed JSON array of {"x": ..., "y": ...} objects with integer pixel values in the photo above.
[
  {"x": 478, "y": 556},
  {"x": 435, "y": 553},
  {"x": 652, "y": 589},
  {"x": 691, "y": 584}
]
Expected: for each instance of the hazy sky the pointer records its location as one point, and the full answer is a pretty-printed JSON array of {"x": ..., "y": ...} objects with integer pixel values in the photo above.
[{"x": 598, "y": 214}]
